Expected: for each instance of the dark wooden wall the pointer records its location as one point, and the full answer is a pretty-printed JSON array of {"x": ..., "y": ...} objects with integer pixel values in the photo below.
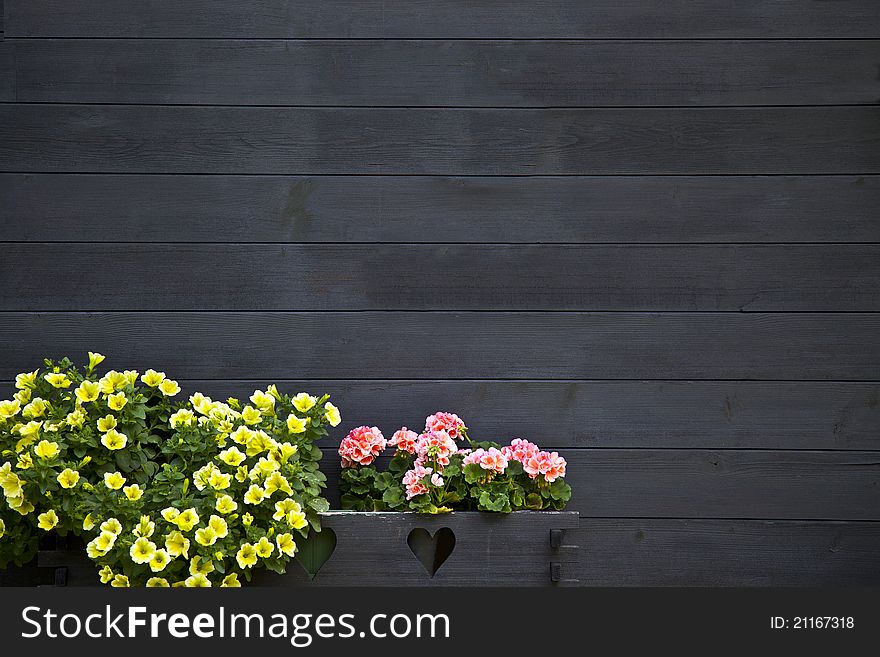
[{"x": 644, "y": 233}]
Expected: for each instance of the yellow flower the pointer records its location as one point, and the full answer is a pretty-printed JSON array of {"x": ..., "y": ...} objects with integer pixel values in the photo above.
[
  {"x": 197, "y": 582},
  {"x": 46, "y": 449},
  {"x": 11, "y": 483},
  {"x": 232, "y": 456},
  {"x": 247, "y": 519},
  {"x": 20, "y": 505},
  {"x": 295, "y": 424},
  {"x": 177, "y": 544},
  {"x": 2, "y": 527},
  {"x": 106, "y": 575},
  {"x": 284, "y": 507},
  {"x": 9, "y": 408},
  {"x": 57, "y": 380},
  {"x": 332, "y": 414},
  {"x": 120, "y": 582},
  {"x": 106, "y": 423},
  {"x": 68, "y": 478},
  {"x": 277, "y": 481},
  {"x": 114, "y": 480},
  {"x": 231, "y": 581},
  {"x": 241, "y": 474},
  {"x": 247, "y": 556},
  {"x": 169, "y": 388},
  {"x": 145, "y": 527},
  {"x": 75, "y": 418},
  {"x": 142, "y": 551},
  {"x": 131, "y": 376},
  {"x": 89, "y": 524},
  {"x": 23, "y": 396},
  {"x": 206, "y": 536},
  {"x": 159, "y": 561},
  {"x": 242, "y": 435},
  {"x": 251, "y": 415},
  {"x": 157, "y": 582},
  {"x": 254, "y": 495},
  {"x": 37, "y": 408},
  {"x": 133, "y": 492},
  {"x": 170, "y": 513},
  {"x": 112, "y": 381},
  {"x": 264, "y": 548},
  {"x": 225, "y": 504},
  {"x": 153, "y": 378},
  {"x": 183, "y": 417},
  {"x": 303, "y": 401},
  {"x": 112, "y": 526},
  {"x": 26, "y": 380},
  {"x": 286, "y": 544},
  {"x": 219, "y": 526},
  {"x": 48, "y": 520},
  {"x": 199, "y": 567},
  {"x": 114, "y": 440},
  {"x": 30, "y": 430},
  {"x": 264, "y": 402},
  {"x": 286, "y": 451},
  {"x": 117, "y": 402},
  {"x": 87, "y": 391},
  {"x": 187, "y": 520},
  {"x": 297, "y": 519},
  {"x": 219, "y": 480},
  {"x": 95, "y": 359},
  {"x": 25, "y": 462}
]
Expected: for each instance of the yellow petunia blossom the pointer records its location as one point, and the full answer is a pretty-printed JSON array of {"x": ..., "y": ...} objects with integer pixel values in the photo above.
[
  {"x": 295, "y": 424},
  {"x": 199, "y": 567},
  {"x": 242, "y": 435},
  {"x": 46, "y": 449},
  {"x": 23, "y": 396},
  {"x": 114, "y": 480},
  {"x": 68, "y": 478},
  {"x": 158, "y": 583},
  {"x": 285, "y": 451},
  {"x": 277, "y": 481},
  {"x": 225, "y": 504},
  {"x": 75, "y": 419},
  {"x": 9, "y": 408},
  {"x": 47, "y": 521},
  {"x": 87, "y": 391},
  {"x": 2, "y": 527},
  {"x": 206, "y": 536},
  {"x": 159, "y": 561},
  {"x": 264, "y": 402},
  {"x": 220, "y": 480},
  {"x": 26, "y": 379},
  {"x": 58, "y": 380},
  {"x": 177, "y": 544},
  {"x": 169, "y": 388},
  {"x": 25, "y": 462},
  {"x": 36, "y": 409},
  {"x": 170, "y": 513},
  {"x": 264, "y": 548},
  {"x": 20, "y": 505},
  {"x": 197, "y": 582},
  {"x": 246, "y": 556},
  {"x": 112, "y": 526},
  {"x": 114, "y": 440},
  {"x": 286, "y": 544},
  {"x": 247, "y": 519},
  {"x": 133, "y": 492},
  {"x": 251, "y": 415},
  {"x": 104, "y": 541},
  {"x": 112, "y": 381},
  {"x": 106, "y": 575},
  {"x": 117, "y": 402},
  {"x": 182, "y": 418},
  {"x": 95, "y": 359},
  {"x": 120, "y": 582},
  {"x": 254, "y": 495},
  {"x": 131, "y": 376},
  {"x": 231, "y": 582},
  {"x": 232, "y": 456},
  {"x": 89, "y": 523},
  {"x": 142, "y": 551},
  {"x": 30, "y": 430},
  {"x": 219, "y": 526},
  {"x": 284, "y": 507},
  {"x": 332, "y": 415},
  {"x": 241, "y": 474},
  {"x": 10, "y": 482},
  {"x": 145, "y": 527},
  {"x": 187, "y": 520},
  {"x": 106, "y": 423},
  {"x": 152, "y": 378},
  {"x": 303, "y": 401},
  {"x": 297, "y": 519}
]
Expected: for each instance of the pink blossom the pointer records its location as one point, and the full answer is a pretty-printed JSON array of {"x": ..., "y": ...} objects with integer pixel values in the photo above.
[
  {"x": 448, "y": 422},
  {"x": 436, "y": 479},
  {"x": 491, "y": 459},
  {"x": 520, "y": 450},
  {"x": 437, "y": 446},
  {"x": 361, "y": 446},
  {"x": 473, "y": 456},
  {"x": 548, "y": 464},
  {"x": 404, "y": 440},
  {"x": 412, "y": 479}
]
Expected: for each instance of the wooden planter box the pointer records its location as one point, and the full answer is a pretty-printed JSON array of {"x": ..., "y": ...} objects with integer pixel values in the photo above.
[{"x": 524, "y": 548}]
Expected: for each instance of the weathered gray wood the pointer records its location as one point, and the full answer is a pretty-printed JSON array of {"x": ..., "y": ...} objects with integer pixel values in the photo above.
[
  {"x": 458, "y": 345},
  {"x": 162, "y": 139},
  {"x": 445, "y": 19},
  {"x": 441, "y": 277},
  {"x": 7, "y": 70},
  {"x": 654, "y": 552},
  {"x": 447, "y": 73},
  {"x": 663, "y": 209},
  {"x": 675, "y": 483}
]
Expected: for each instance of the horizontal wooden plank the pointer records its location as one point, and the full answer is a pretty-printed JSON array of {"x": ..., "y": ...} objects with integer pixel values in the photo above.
[
  {"x": 621, "y": 414},
  {"x": 7, "y": 71},
  {"x": 163, "y": 139},
  {"x": 728, "y": 553},
  {"x": 432, "y": 19},
  {"x": 211, "y": 345},
  {"x": 446, "y": 73},
  {"x": 662, "y": 209},
  {"x": 672, "y": 483},
  {"x": 440, "y": 277}
]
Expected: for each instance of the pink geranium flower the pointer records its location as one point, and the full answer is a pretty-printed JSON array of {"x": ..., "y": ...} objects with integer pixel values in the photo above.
[
  {"x": 448, "y": 422},
  {"x": 491, "y": 459},
  {"x": 412, "y": 479},
  {"x": 361, "y": 446},
  {"x": 437, "y": 446},
  {"x": 547, "y": 464},
  {"x": 404, "y": 440},
  {"x": 520, "y": 450}
]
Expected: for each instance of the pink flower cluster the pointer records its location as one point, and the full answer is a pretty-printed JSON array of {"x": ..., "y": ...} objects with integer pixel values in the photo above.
[
  {"x": 548, "y": 464},
  {"x": 448, "y": 422},
  {"x": 413, "y": 480},
  {"x": 490, "y": 459},
  {"x": 404, "y": 440},
  {"x": 437, "y": 446},
  {"x": 361, "y": 446},
  {"x": 520, "y": 450}
]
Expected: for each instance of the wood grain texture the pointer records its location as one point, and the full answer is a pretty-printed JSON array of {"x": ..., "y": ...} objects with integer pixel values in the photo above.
[
  {"x": 440, "y": 277},
  {"x": 728, "y": 553},
  {"x": 7, "y": 70},
  {"x": 223, "y": 209},
  {"x": 193, "y": 345},
  {"x": 648, "y": 19},
  {"x": 446, "y": 73},
  {"x": 600, "y": 414},
  {"x": 162, "y": 139},
  {"x": 672, "y": 483}
]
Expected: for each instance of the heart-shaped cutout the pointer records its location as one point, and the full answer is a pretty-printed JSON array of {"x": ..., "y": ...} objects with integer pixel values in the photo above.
[
  {"x": 316, "y": 550},
  {"x": 432, "y": 551}
]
